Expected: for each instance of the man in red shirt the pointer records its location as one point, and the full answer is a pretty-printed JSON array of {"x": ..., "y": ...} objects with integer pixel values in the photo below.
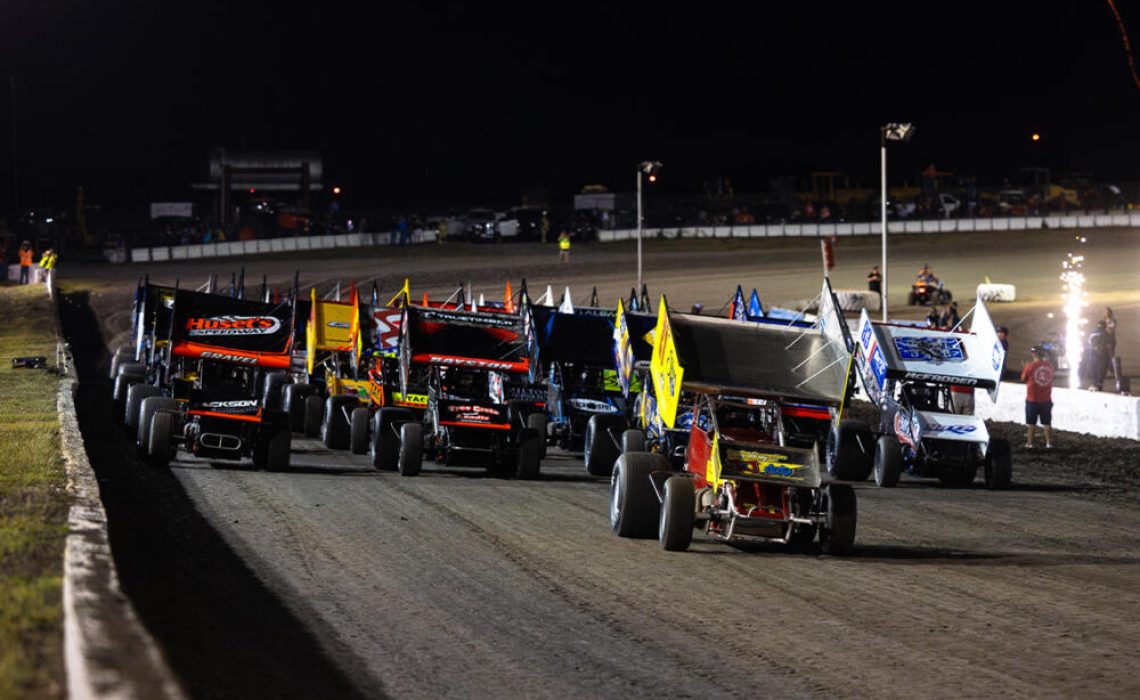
[{"x": 1038, "y": 378}]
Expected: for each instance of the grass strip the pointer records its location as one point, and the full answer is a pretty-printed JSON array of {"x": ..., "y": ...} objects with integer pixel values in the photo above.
[{"x": 33, "y": 501}]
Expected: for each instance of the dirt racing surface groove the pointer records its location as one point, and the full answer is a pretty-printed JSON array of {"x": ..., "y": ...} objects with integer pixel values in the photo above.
[{"x": 334, "y": 580}]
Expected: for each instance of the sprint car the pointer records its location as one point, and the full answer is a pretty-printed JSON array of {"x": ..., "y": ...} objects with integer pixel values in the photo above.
[
  {"x": 907, "y": 373},
  {"x": 208, "y": 403},
  {"x": 483, "y": 408},
  {"x": 742, "y": 479}
]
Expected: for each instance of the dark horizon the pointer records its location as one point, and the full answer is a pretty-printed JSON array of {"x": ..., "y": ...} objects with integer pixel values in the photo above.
[{"x": 465, "y": 104}]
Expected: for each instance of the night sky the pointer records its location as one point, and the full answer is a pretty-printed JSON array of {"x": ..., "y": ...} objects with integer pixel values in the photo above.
[{"x": 415, "y": 104}]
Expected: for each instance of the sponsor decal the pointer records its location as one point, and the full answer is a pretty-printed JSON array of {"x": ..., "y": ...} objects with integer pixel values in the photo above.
[
  {"x": 764, "y": 464},
  {"x": 865, "y": 336},
  {"x": 997, "y": 356},
  {"x": 956, "y": 429},
  {"x": 592, "y": 406},
  {"x": 902, "y": 430},
  {"x": 230, "y": 404},
  {"x": 497, "y": 320},
  {"x": 339, "y": 324},
  {"x": 470, "y": 362},
  {"x": 413, "y": 400},
  {"x": 943, "y": 378},
  {"x": 930, "y": 349},
  {"x": 878, "y": 364},
  {"x": 232, "y": 325},
  {"x": 228, "y": 357}
]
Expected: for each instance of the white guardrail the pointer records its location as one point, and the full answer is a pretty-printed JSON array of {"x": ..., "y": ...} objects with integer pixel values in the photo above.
[
  {"x": 360, "y": 240},
  {"x": 874, "y": 228}
]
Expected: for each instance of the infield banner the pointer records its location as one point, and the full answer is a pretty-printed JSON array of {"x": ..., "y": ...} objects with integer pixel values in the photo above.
[{"x": 665, "y": 367}]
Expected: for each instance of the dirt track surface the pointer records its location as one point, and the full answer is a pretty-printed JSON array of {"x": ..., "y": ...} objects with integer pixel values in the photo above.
[{"x": 452, "y": 584}]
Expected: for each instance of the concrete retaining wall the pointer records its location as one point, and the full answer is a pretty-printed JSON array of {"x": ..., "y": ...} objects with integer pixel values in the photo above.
[
  {"x": 107, "y": 651},
  {"x": 1091, "y": 412}
]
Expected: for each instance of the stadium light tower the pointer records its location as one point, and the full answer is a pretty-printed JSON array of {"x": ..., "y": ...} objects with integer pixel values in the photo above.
[
  {"x": 890, "y": 132},
  {"x": 647, "y": 168}
]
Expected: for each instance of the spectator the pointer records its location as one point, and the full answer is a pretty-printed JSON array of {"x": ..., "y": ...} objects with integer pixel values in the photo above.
[
  {"x": 951, "y": 318},
  {"x": 26, "y": 255},
  {"x": 1003, "y": 338},
  {"x": 1038, "y": 378},
  {"x": 875, "y": 280},
  {"x": 933, "y": 319},
  {"x": 1110, "y": 331},
  {"x": 1094, "y": 363},
  {"x": 404, "y": 229},
  {"x": 564, "y": 246},
  {"x": 47, "y": 263}
]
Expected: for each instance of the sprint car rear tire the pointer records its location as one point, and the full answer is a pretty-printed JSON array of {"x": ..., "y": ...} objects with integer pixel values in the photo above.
[
  {"x": 119, "y": 358},
  {"x": 335, "y": 430},
  {"x": 411, "y": 454},
  {"x": 675, "y": 526},
  {"x": 837, "y": 533},
  {"x": 293, "y": 402},
  {"x": 633, "y": 440},
  {"x": 888, "y": 461},
  {"x": 537, "y": 423},
  {"x": 132, "y": 368},
  {"x": 271, "y": 395},
  {"x": 122, "y": 386},
  {"x": 150, "y": 406},
  {"x": 358, "y": 430},
  {"x": 135, "y": 395},
  {"x": 599, "y": 449},
  {"x": 634, "y": 508},
  {"x": 530, "y": 454},
  {"x": 314, "y": 408},
  {"x": 999, "y": 465},
  {"x": 160, "y": 445},
  {"x": 850, "y": 450}
]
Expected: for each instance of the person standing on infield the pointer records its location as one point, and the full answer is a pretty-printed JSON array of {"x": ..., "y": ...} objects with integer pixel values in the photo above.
[{"x": 1038, "y": 378}]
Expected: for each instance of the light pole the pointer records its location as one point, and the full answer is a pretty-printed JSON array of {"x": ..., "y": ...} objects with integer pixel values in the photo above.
[
  {"x": 649, "y": 168},
  {"x": 890, "y": 132}
]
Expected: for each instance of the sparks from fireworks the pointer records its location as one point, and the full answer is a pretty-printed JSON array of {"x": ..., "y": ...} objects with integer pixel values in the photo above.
[{"x": 1075, "y": 300}]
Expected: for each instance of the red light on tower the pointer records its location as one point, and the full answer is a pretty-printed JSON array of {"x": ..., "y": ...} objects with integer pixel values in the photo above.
[
  {"x": 1035, "y": 137},
  {"x": 653, "y": 177},
  {"x": 252, "y": 190},
  {"x": 336, "y": 190}
]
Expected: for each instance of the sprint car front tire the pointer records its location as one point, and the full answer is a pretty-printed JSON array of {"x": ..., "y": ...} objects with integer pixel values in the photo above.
[
  {"x": 837, "y": 533},
  {"x": 358, "y": 430},
  {"x": 160, "y": 447},
  {"x": 599, "y": 449},
  {"x": 850, "y": 450},
  {"x": 271, "y": 397},
  {"x": 675, "y": 525},
  {"x": 530, "y": 454},
  {"x": 411, "y": 454},
  {"x": 123, "y": 383},
  {"x": 150, "y": 406},
  {"x": 537, "y": 423},
  {"x": 634, "y": 508},
  {"x": 888, "y": 461},
  {"x": 335, "y": 428},
  {"x": 314, "y": 408},
  {"x": 633, "y": 440},
  {"x": 293, "y": 403}
]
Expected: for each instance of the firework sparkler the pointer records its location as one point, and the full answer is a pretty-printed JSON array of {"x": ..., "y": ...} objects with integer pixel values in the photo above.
[{"x": 1075, "y": 300}]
